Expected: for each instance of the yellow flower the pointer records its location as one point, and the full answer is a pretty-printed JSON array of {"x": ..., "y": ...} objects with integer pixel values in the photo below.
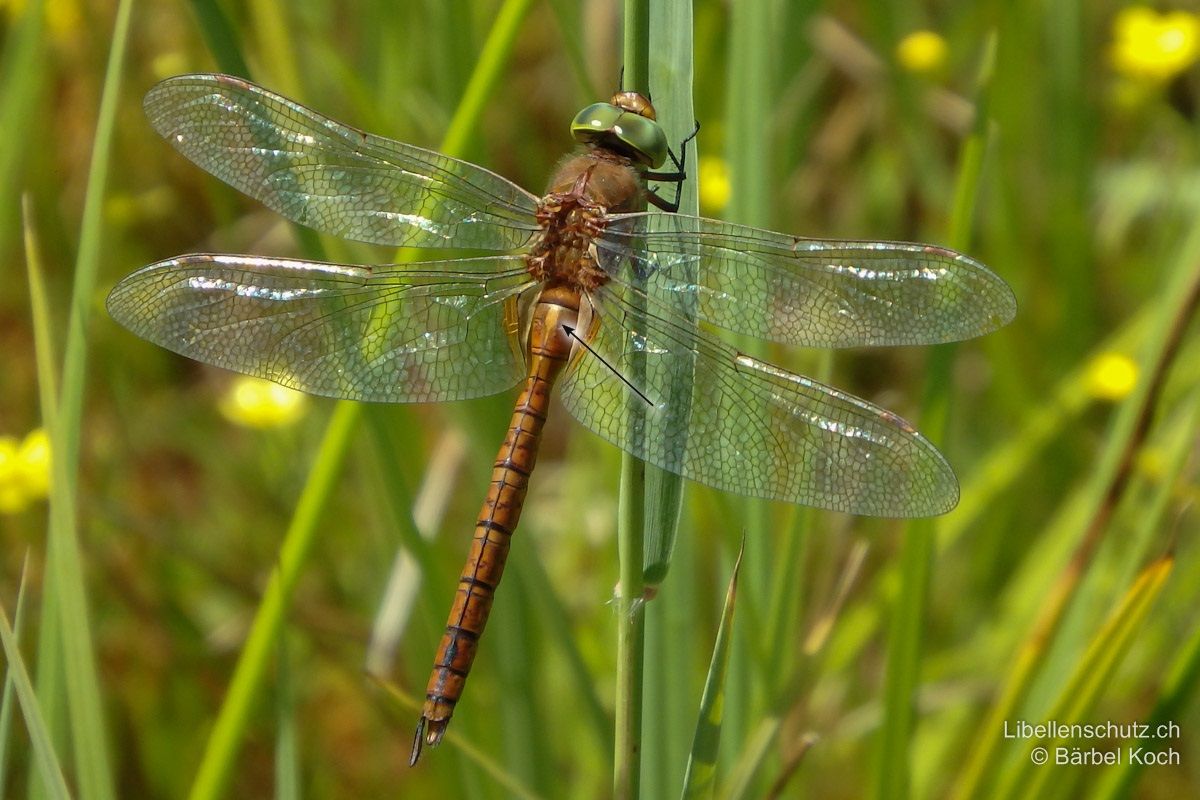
[
  {"x": 34, "y": 456},
  {"x": 24, "y": 471},
  {"x": 12, "y": 493},
  {"x": 922, "y": 52},
  {"x": 715, "y": 186},
  {"x": 1111, "y": 376},
  {"x": 63, "y": 18},
  {"x": 1154, "y": 47},
  {"x": 257, "y": 403}
]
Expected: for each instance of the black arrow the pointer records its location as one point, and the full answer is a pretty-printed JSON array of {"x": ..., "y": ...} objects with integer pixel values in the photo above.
[{"x": 571, "y": 332}]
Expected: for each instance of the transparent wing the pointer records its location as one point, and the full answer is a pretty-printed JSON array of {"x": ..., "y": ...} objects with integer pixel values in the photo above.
[
  {"x": 745, "y": 426},
  {"x": 808, "y": 292},
  {"x": 335, "y": 178},
  {"x": 409, "y": 333}
]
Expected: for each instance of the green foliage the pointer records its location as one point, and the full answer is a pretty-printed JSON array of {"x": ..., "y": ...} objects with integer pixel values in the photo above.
[{"x": 202, "y": 593}]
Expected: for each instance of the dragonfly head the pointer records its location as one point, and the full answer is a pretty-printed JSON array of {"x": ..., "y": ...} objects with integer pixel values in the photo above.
[{"x": 626, "y": 124}]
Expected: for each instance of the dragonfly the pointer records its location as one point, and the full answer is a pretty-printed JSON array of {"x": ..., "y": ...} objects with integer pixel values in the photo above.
[{"x": 623, "y": 308}]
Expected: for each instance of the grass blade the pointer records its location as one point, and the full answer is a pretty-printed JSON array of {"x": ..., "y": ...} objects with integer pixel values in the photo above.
[
  {"x": 44, "y": 756},
  {"x": 756, "y": 749},
  {"x": 1060, "y": 409},
  {"x": 631, "y": 616},
  {"x": 672, "y": 617},
  {"x": 671, "y": 77},
  {"x": 700, "y": 778},
  {"x": 650, "y": 499},
  {"x": 6, "y": 707},
  {"x": 1183, "y": 676},
  {"x": 631, "y": 522},
  {"x": 280, "y": 61},
  {"x": 751, "y": 88}
]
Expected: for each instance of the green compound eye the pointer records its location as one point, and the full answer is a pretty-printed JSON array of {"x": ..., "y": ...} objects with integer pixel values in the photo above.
[{"x": 624, "y": 131}]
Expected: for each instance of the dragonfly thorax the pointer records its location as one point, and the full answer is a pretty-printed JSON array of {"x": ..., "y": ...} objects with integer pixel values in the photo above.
[{"x": 585, "y": 188}]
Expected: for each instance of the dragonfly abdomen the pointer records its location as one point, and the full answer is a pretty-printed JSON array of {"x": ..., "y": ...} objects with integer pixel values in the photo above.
[{"x": 549, "y": 349}]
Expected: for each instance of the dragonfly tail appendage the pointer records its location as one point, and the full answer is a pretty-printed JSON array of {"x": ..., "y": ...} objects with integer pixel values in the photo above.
[{"x": 549, "y": 349}]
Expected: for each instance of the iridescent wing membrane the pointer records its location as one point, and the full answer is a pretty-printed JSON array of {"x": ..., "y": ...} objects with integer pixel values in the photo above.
[
  {"x": 334, "y": 178},
  {"x": 410, "y": 333},
  {"x": 446, "y": 330},
  {"x": 808, "y": 292},
  {"x": 747, "y": 426}
]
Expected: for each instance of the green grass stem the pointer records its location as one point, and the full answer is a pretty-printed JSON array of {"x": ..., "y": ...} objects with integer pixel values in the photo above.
[
  {"x": 674, "y": 614},
  {"x": 50, "y": 667},
  {"x": 636, "y": 47},
  {"x": 631, "y": 515},
  {"x": 650, "y": 498},
  {"x": 44, "y": 756},
  {"x": 754, "y": 48},
  {"x": 488, "y": 72},
  {"x": 700, "y": 778},
  {"x": 630, "y": 631},
  {"x": 7, "y": 694}
]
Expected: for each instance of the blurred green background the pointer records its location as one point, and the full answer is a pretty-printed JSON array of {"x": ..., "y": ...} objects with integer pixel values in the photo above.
[{"x": 862, "y": 664}]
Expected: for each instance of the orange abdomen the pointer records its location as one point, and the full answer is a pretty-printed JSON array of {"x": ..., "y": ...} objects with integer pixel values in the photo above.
[{"x": 549, "y": 349}]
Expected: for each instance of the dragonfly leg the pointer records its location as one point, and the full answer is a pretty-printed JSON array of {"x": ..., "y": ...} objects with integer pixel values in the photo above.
[{"x": 677, "y": 177}]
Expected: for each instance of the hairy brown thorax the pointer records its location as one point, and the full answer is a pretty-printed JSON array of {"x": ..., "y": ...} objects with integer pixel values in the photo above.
[{"x": 584, "y": 188}]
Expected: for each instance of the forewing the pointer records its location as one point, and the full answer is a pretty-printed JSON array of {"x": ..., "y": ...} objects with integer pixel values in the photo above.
[
  {"x": 746, "y": 426},
  {"x": 410, "y": 333},
  {"x": 808, "y": 292},
  {"x": 334, "y": 178}
]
